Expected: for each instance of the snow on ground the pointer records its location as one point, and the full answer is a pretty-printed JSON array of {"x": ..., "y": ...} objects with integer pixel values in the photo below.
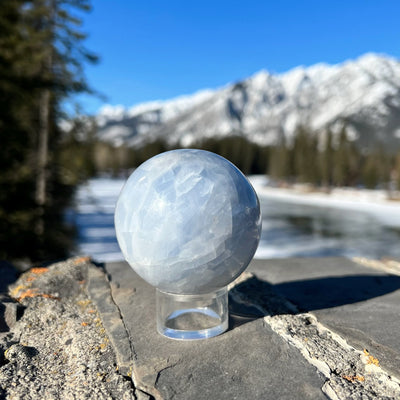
[
  {"x": 94, "y": 218},
  {"x": 373, "y": 202},
  {"x": 345, "y": 223}
]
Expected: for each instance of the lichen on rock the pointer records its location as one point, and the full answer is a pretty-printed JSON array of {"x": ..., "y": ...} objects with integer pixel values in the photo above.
[{"x": 58, "y": 348}]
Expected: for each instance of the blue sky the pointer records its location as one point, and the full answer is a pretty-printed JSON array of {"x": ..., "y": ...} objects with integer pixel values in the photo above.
[{"x": 161, "y": 49}]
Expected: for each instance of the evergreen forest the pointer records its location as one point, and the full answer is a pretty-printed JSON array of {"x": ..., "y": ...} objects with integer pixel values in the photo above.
[{"x": 335, "y": 161}]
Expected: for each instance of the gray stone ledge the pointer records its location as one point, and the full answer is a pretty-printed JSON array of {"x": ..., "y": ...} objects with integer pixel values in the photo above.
[
  {"x": 278, "y": 314},
  {"x": 299, "y": 329}
]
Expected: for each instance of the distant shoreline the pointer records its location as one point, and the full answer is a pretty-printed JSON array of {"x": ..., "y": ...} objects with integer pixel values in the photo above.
[{"x": 373, "y": 202}]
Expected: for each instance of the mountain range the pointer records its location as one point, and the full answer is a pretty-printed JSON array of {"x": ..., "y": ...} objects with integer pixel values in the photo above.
[{"x": 362, "y": 94}]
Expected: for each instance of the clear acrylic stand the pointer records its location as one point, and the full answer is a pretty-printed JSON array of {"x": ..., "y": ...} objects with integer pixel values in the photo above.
[{"x": 195, "y": 316}]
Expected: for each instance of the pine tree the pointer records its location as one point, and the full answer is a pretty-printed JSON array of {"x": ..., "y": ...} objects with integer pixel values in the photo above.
[
  {"x": 17, "y": 207},
  {"x": 280, "y": 163},
  {"x": 41, "y": 64},
  {"x": 305, "y": 156},
  {"x": 326, "y": 162},
  {"x": 341, "y": 160},
  {"x": 370, "y": 171},
  {"x": 377, "y": 168}
]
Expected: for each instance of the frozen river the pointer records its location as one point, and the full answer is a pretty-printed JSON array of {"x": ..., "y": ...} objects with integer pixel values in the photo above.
[{"x": 293, "y": 226}]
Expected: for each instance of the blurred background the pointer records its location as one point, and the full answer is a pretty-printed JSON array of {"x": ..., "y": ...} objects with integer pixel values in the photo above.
[{"x": 304, "y": 97}]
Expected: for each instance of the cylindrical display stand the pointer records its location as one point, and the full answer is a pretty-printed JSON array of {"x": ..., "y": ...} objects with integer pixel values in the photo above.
[{"x": 195, "y": 316}]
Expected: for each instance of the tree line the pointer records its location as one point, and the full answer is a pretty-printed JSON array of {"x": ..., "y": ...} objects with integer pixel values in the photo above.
[{"x": 334, "y": 161}]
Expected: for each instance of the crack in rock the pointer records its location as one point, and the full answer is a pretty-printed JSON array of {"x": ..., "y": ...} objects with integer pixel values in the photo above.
[
  {"x": 102, "y": 292},
  {"x": 350, "y": 373}
]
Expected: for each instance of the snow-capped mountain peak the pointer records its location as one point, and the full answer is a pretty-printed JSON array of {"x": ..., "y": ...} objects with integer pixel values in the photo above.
[{"x": 364, "y": 94}]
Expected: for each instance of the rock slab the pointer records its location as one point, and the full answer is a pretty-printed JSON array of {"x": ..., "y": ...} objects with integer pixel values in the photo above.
[
  {"x": 248, "y": 362},
  {"x": 280, "y": 343},
  {"x": 299, "y": 329},
  {"x": 57, "y": 348}
]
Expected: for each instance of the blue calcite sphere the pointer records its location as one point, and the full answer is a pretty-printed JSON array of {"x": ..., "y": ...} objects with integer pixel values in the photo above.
[{"x": 188, "y": 221}]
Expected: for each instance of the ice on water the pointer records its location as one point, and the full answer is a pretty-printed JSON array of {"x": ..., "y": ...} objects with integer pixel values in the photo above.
[{"x": 188, "y": 221}]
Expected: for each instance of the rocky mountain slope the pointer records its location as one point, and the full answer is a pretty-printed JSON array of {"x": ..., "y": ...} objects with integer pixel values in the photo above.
[{"x": 364, "y": 94}]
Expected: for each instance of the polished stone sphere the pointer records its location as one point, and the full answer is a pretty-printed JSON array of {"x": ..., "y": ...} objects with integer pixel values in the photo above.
[{"x": 188, "y": 221}]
